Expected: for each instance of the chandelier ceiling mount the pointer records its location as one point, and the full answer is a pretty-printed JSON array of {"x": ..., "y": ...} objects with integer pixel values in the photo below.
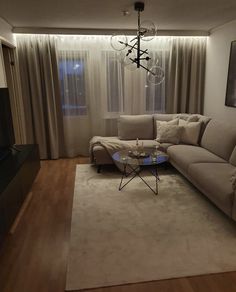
[{"x": 135, "y": 56}]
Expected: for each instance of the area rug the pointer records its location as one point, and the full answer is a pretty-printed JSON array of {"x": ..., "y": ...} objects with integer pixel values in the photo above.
[{"x": 130, "y": 236}]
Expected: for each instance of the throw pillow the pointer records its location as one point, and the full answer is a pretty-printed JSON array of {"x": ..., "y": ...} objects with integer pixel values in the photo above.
[
  {"x": 190, "y": 133},
  {"x": 193, "y": 118},
  {"x": 167, "y": 133},
  {"x": 159, "y": 122}
]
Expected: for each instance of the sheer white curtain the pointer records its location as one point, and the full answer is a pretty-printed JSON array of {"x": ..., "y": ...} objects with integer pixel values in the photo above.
[{"x": 96, "y": 88}]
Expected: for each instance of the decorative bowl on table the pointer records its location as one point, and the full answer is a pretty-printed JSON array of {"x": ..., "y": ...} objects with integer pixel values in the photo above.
[{"x": 138, "y": 154}]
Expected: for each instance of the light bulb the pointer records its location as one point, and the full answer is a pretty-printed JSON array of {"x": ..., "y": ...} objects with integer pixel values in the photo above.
[
  {"x": 118, "y": 42},
  {"x": 156, "y": 75}
]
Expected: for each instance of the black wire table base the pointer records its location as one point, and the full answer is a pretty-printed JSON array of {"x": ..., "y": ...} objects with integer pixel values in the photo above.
[{"x": 136, "y": 171}]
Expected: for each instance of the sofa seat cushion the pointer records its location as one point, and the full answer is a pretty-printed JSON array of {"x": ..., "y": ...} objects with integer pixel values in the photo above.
[
  {"x": 214, "y": 179},
  {"x": 185, "y": 155},
  {"x": 164, "y": 146}
]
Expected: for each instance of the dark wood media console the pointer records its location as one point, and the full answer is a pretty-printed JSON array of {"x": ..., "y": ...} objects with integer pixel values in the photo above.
[{"x": 17, "y": 173}]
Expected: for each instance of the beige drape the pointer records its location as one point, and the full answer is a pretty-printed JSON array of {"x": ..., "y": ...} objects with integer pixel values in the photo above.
[
  {"x": 186, "y": 73},
  {"x": 41, "y": 94},
  {"x": 14, "y": 86}
]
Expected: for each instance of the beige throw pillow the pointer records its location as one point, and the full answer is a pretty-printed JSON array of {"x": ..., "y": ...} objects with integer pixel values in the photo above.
[
  {"x": 171, "y": 122},
  {"x": 190, "y": 133},
  {"x": 167, "y": 133},
  {"x": 160, "y": 123},
  {"x": 193, "y": 118}
]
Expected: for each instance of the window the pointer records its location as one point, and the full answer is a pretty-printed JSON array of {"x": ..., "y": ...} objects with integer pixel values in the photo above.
[
  {"x": 114, "y": 76},
  {"x": 155, "y": 94},
  {"x": 72, "y": 65}
]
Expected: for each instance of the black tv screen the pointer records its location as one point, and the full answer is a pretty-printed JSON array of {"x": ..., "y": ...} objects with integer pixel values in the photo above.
[{"x": 7, "y": 138}]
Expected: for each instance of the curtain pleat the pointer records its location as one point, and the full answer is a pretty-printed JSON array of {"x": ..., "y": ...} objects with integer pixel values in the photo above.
[
  {"x": 186, "y": 73},
  {"x": 41, "y": 94}
]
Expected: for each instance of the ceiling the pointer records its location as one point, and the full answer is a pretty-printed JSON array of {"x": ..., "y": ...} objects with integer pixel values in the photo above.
[{"x": 201, "y": 15}]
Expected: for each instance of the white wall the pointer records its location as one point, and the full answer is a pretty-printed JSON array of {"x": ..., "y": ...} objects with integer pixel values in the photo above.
[
  {"x": 5, "y": 35},
  {"x": 217, "y": 61},
  {"x": 3, "y": 82},
  {"x": 6, "y": 31}
]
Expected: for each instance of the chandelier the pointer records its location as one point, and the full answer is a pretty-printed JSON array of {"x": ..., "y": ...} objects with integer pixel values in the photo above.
[{"x": 134, "y": 56}]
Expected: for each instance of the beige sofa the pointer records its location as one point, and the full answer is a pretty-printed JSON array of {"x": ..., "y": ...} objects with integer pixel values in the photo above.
[{"x": 209, "y": 164}]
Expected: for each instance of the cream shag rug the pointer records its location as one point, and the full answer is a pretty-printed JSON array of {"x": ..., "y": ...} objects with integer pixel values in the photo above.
[{"x": 129, "y": 236}]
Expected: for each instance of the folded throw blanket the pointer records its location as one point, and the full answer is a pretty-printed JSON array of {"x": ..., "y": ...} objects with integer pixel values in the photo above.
[{"x": 111, "y": 144}]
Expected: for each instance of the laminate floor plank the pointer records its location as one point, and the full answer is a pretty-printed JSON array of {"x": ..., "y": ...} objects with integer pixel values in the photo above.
[{"x": 34, "y": 257}]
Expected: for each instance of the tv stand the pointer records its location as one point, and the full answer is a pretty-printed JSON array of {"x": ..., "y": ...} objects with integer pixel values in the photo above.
[
  {"x": 4, "y": 153},
  {"x": 15, "y": 148},
  {"x": 17, "y": 173}
]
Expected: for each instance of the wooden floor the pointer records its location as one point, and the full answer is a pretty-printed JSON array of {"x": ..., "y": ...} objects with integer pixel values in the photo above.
[{"x": 34, "y": 257}]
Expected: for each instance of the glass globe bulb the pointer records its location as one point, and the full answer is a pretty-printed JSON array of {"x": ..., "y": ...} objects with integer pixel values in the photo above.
[
  {"x": 156, "y": 75},
  {"x": 118, "y": 42},
  {"x": 148, "y": 30}
]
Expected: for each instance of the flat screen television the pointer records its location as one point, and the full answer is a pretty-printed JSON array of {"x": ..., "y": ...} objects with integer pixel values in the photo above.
[{"x": 7, "y": 138}]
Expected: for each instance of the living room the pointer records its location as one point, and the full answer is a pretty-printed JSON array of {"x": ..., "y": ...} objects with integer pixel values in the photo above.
[{"x": 85, "y": 92}]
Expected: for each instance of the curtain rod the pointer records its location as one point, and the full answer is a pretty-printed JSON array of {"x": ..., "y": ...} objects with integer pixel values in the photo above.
[{"x": 86, "y": 31}]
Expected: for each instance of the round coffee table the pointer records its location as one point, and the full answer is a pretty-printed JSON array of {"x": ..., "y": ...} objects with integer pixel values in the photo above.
[{"x": 134, "y": 163}]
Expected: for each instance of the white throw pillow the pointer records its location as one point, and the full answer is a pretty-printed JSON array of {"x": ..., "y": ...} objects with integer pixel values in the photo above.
[
  {"x": 190, "y": 133},
  {"x": 160, "y": 123},
  {"x": 167, "y": 133},
  {"x": 193, "y": 118}
]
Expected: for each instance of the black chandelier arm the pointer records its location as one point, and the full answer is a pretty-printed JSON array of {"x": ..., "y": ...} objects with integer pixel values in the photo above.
[
  {"x": 133, "y": 39},
  {"x": 135, "y": 61},
  {"x": 133, "y": 47},
  {"x": 146, "y": 58},
  {"x": 144, "y": 52},
  {"x": 138, "y": 41}
]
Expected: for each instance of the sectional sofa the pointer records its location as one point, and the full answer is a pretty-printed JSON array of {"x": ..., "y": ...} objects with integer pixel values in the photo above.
[{"x": 209, "y": 164}]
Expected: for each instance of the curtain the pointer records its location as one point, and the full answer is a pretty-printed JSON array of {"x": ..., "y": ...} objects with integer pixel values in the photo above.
[
  {"x": 96, "y": 88},
  {"x": 75, "y": 87},
  {"x": 14, "y": 86},
  {"x": 41, "y": 94},
  {"x": 186, "y": 74}
]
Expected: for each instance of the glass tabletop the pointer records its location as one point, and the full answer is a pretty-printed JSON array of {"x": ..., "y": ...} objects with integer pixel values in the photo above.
[{"x": 146, "y": 157}]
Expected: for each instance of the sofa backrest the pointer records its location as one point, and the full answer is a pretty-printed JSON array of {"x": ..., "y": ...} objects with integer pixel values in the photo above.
[
  {"x": 131, "y": 127},
  {"x": 219, "y": 138},
  {"x": 194, "y": 118}
]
